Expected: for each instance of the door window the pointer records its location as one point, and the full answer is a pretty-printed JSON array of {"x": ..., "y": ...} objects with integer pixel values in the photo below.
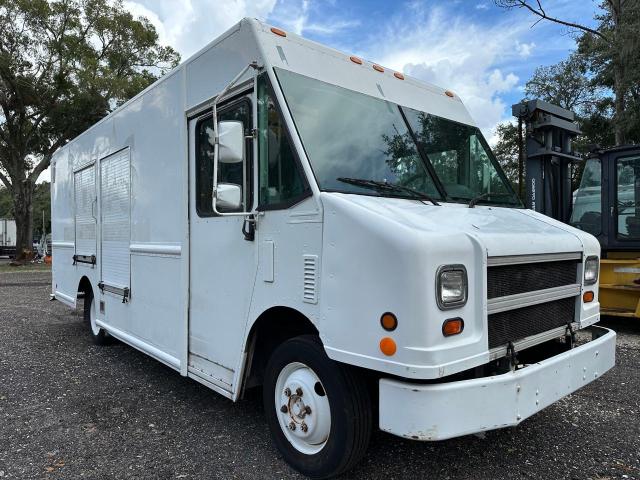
[
  {"x": 627, "y": 198},
  {"x": 587, "y": 200},
  {"x": 281, "y": 182},
  {"x": 236, "y": 173}
]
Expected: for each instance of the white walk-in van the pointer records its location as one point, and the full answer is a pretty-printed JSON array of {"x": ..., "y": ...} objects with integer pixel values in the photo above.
[{"x": 276, "y": 213}]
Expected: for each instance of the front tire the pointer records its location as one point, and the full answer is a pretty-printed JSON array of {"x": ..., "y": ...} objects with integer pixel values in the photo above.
[
  {"x": 319, "y": 411},
  {"x": 98, "y": 334}
]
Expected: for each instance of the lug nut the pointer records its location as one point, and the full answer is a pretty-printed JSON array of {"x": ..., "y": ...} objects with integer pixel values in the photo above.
[
  {"x": 284, "y": 409},
  {"x": 307, "y": 410},
  {"x": 299, "y": 391},
  {"x": 304, "y": 427},
  {"x": 292, "y": 426},
  {"x": 287, "y": 392}
]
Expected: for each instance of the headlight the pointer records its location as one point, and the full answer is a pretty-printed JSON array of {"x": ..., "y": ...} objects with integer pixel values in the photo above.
[
  {"x": 591, "y": 267},
  {"x": 451, "y": 281}
]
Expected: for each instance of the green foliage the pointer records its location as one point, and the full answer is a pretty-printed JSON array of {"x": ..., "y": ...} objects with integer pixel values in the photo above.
[
  {"x": 65, "y": 64},
  {"x": 506, "y": 151},
  {"x": 6, "y": 203},
  {"x": 41, "y": 204}
]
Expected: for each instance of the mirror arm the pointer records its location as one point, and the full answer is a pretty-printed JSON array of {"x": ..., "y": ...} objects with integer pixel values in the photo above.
[{"x": 216, "y": 143}]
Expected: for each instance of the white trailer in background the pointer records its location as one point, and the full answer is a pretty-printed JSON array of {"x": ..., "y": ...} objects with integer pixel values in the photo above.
[
  {"x": 7, "y": 237},
  {"x": 275, "y": 212},
  {"x": 7, "y": 232}
]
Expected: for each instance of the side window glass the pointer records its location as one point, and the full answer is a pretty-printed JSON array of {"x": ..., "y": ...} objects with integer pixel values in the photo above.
[
  {"x": 235, "y": 173},
  {"x": 280, "y": 179},
  {"x": 627, "y": 198},
  {"x": 587, "y": 200}
]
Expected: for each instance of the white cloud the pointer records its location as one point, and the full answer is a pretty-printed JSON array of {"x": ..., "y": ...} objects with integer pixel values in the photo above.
[
  {"x": 296, "y": 15},
  {"x": 188, "y": 25},
  {"x": 524, "y": 49},
  {"x": 482, "y": 6},
  {"x": 454, "y": 52}
]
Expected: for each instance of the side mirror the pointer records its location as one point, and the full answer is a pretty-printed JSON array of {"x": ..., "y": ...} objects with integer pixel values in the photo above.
[
  {"x": 230, "y": 141},
  {"x": 229, "y": 196}
]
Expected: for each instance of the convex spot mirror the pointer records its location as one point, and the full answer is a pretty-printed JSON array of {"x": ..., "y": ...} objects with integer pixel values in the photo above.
[
  {"x": 230, "y": 141},
  {"x": 229, "y": 196}
]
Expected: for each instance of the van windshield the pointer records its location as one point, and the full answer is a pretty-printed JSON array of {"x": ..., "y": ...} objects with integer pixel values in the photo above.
[{"x": 360, "y": 144}]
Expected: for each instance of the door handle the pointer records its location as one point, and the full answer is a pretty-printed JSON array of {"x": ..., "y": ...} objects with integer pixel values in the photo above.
[{"x": 249, "y": 228}]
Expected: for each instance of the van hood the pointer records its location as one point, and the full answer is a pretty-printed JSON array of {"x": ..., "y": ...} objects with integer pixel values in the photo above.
[{"x": 502, "y": 231}]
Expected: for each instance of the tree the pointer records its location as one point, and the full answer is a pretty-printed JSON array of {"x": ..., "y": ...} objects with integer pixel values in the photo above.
[
  {"x": 64, "y": 64},
  {"x": 506, "y": 151},
  {"x": 617, "y": 43}
]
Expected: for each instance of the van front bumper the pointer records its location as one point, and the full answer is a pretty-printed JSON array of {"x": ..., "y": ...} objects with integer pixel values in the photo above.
[{"x": 447, "y": 410}]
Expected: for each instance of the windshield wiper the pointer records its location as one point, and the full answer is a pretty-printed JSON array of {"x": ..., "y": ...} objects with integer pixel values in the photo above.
[
  {"x": 389, "y": 187},
  {"x": 474, "y": 201}
]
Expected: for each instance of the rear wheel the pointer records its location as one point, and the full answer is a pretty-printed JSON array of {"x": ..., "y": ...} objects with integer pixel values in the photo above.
[
  {"x": 319, "y": 411},
  {"x": 98, "y": 334}
]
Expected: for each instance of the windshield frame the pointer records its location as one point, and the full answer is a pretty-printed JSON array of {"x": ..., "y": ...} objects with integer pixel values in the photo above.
[{"x": 442, "y": 196}]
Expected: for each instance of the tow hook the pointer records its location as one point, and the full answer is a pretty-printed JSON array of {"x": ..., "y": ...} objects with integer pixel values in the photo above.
[
  {"x": 570, "y": 336},
  {"x": 512, "y": 356}
]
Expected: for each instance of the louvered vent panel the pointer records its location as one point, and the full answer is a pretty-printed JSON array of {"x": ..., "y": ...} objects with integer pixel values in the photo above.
[
  {"x": 84, "y": 199},
  {"x": 116, "y": 221},
  {"x": 310, "y": 293}
]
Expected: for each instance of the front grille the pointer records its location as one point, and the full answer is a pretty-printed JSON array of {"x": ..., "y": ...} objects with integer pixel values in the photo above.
[
  {"x": 503, "y": 280},
  {"x": 513, "y": 325}
]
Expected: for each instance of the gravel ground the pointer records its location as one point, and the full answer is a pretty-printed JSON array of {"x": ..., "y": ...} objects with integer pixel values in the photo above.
[{"x": 69, "y": 409}]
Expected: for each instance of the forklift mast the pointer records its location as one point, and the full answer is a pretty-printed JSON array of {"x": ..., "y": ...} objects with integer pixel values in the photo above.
[{"x": 550, "y": 131}]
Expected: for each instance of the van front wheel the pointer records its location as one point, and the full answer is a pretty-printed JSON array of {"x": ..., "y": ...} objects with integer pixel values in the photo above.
[{"x": 319, "y": 411}]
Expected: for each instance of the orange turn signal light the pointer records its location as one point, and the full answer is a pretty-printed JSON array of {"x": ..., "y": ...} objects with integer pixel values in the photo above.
[
  {"x": 452, "y": 326},
  {"x": 279, "y": 32},
  {"x": 388, "y": 346},
  {"x": 389, "y": 321},
  {"x": 588, "y": 297}
]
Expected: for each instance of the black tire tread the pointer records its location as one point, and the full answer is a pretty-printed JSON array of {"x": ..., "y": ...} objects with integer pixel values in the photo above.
[{"x": 358, "y": 404}]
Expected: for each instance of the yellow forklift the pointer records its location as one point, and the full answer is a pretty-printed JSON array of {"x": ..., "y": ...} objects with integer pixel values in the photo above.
[{"x": 606, "y": 204}]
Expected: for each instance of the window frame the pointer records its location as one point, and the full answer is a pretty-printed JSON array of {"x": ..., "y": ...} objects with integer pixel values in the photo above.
[
  {"x": 616, "y": 213},
  {"x": 242, "y": 97},
  {"x": 603, "y": 199},
  {"x": 306, "y": 190}
]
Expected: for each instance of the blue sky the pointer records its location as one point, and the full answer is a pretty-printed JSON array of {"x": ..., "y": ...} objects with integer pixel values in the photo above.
[{"x": 483, "y": 53}]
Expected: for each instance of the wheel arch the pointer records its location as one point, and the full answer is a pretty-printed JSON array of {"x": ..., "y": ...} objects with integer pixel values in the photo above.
[
  {"x": 84, "y": 286},
  {"x": 272, "y": 327}
]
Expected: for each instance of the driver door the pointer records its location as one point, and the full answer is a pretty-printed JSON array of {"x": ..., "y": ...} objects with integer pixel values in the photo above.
[{"x": 222, "y": 263}]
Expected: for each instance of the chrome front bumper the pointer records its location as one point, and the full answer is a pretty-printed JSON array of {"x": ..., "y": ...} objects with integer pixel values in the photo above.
[{"x": 447, "y": 410}]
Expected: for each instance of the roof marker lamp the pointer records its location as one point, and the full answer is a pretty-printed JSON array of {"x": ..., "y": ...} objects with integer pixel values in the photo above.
[
  {"x": 451, "y": 286},
  {"x": 591, "y": 267}
]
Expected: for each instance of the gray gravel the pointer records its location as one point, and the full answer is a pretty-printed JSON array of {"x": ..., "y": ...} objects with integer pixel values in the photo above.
[{"x": 69, "y": 409}]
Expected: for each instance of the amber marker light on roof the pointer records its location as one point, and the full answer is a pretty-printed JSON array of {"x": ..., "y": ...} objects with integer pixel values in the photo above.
[
  {"x": 279, "y": 32},
  {"x": 377, "y": 68},
  {"x": 449, "y": 93},
  {"x": 398, "y": 75},
  {"x": 355, "y": 59}
]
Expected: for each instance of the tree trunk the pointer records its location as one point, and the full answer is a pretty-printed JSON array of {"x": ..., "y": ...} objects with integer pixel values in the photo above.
[
  {"x": 619, "y": 89},
  {"x": 619, "y": 92},
  {"x": 23, "y": 211}
]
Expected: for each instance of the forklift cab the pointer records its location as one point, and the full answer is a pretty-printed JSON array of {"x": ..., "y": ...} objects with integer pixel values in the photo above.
[{"x": 606, "y": 205}]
